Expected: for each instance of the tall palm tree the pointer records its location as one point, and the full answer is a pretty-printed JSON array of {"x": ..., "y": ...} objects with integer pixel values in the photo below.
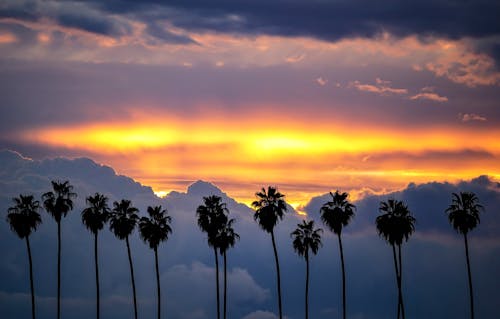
[
  {"x": 226, "y": 239},
  {"x": 270, "y": 209},
  {"x": 94, "y": 217},
  {"x": 336, "y": 214},
  {"x": 24, "y": 218},
  {"x": 305, "y": 239},
  {"x": 58, "y": 203},
  {"x": 395, "y": 225},
  {"x": 463, "y": 214},
  {"x": 155, "y": 229},
  {"x": 211, "y": 218},
  {"x": 122, "y": 222}
]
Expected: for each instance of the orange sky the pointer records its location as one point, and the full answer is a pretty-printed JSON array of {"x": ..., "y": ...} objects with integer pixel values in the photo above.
[{"x": 303, "y": 160}]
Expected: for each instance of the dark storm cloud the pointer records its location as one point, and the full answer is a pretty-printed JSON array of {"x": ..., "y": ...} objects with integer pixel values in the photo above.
[
  {"x": 325, "y": 19},
  {"x": 435, "y": 269}
]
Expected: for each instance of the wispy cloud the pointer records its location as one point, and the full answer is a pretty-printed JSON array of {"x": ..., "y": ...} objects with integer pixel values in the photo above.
[
  {"x": 429, "y": 96},
  {"x": 381, "y": 87},
  {"x": 468, "y": 117},
  {"x": 321, "y": 81}
]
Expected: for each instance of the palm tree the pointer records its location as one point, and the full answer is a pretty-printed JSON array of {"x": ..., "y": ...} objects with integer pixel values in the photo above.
[
  {"x": 463, "y": 214},
  {"x": 58, "y": 203},
  {"x": 24, "y": 218},
  {"x": 306, "y": 238},
  {"x": 336, "y": 214},
  {"x": 94, "y": 217},
  {"x": 395, "y": 225},
  {"x": 270, "y": 208},
  {"x": 155, "y": 229},
  {"x": 226, "y": 239},
  {"x": 122, "y": 222},
  {"x": 211, "y": 218}
]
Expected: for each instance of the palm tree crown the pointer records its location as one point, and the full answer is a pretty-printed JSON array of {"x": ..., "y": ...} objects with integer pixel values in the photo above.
[
  {"x": 463, "y": 213},
  {"x": 306, "y": 238},
  {"x": 97, "y": 213},
  {"x": 338, "y": 212},
  {"x": 270, "y": 208},
  {"x": 59, "y": 202},
  {"x": 155, "y": 228},
  {"x": 226, "y": 238},
  {"x": 395, "y": 224},
  {"x": 23, "y": 217},
  {"x": 212, "y": 217},
  {"x": 123, "y": 219}
]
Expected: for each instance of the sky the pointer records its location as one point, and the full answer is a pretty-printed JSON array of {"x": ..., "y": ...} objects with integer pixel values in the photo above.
[{"x": 305, "y": 95}]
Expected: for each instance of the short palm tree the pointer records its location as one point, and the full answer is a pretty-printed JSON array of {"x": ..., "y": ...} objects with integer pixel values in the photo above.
[
  {"x": 463, "y": 214},
  {"x": 336, "y": 214},
  {"x": 94, "y": 217},
  {"x": 212, "y": 216},
  {"x": 270, "y": 209},
  {"x": 24, "y": 218},
  {"x": 154, "y": 230},
  {"x": 122, "y": 222},
  {"x": 226, "y": 239},
  {"x": 58, "y": 203},
  {"x": 305, "y": 239},
  {"x": 395, "y": 225}
]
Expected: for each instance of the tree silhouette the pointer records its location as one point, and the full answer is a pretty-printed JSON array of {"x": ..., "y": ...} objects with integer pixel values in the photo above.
[
  {"x": 395, "y": 225},
  {"x": 24, "y": 218},
  {"x": 94, "y": 217},
  {"x": 306, "y": 238},
  {"x": 154, "y": 230},
  {"x": 336, "y": 214},
  {"x": 212, "y": 216},
  {"x": 226, "y": 239},
  {"x": 122, "y": 222},
  {"x": 58, "y": 203},
  {"x": 463, "y": 214},
  {"x": 270, "y": 208}
]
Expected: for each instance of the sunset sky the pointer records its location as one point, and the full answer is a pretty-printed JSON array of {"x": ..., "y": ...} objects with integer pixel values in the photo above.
[{"x": 309, "y": 96}]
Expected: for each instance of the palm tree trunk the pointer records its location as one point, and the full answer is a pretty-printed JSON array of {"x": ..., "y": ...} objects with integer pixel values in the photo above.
[
  {"x": 397, "y": 278},
  {"x": 307, "y": 285},
  {"x": 225, "y": 285},
  {"x": 58, "y": 269},
  {"x": 277, "y": 274},
  {"x": 217, "y": 281},
  {"x": 343, "y": 278},
  {"x": 31, "y": 278},
  {"x": 96, "y": 275},
  {"x": 158, "y": 282},
  {"x": 471, "y": 295},
  {"x": 132, "y": 276},
  {"x": 400, "y": 284}
]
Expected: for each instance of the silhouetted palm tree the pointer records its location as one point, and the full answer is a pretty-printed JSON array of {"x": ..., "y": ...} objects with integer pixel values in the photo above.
[
  {"x": 395, "y": 225},
  {"x": 24, "y": 218},
  {"x": 211, "y": 218},
  {"x": 306, "y": 238},
  {"x": 463, "y": 214},
  {"x": 58, "y": 203},
  {"x": 336, "y": 214},
  {"x": 270, "y": 208},
  {"x": 226, "y": 239},
  {"x": 94, "y": 217},
  {"x": 122, "y": 222},
  {"x": 155, "y": 229}
]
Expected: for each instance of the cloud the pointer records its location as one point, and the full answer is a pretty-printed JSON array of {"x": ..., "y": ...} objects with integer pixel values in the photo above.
[
  {"x": 468, "y": 117},
  {"x": 260, "y": 314},
  {"x": 321, "y": 81},
  {"x": 429, "y": 96},
  {"x": 380, "y": 87}
]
